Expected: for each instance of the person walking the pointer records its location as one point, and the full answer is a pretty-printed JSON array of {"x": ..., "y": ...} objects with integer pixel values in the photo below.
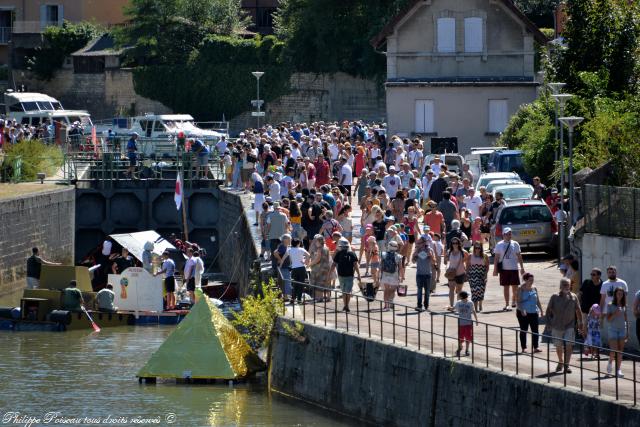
[
  {"x": 606, "y": 296},
  {"x": 527, "y": 312},
  {"x": 299, "y": 260},
  {"x": 464, "y": 309},
  {"x": 345, "y": 261},
  {"x": 277, "y": 224},
  {"x": 507, "y": 256},
  {"x": 425, "y": 260},
  {"x": 477, "y": 271},
  {"x": 284, "y": 265},
  {"x": 457, "y": 260},
  {"x": 617, "y": 329},
  {"x": 562, "y": 311},
  {"x": 590, "y": 293},
  {"x": 392, "y": 273},
  {"x": 320, "y": 263}
]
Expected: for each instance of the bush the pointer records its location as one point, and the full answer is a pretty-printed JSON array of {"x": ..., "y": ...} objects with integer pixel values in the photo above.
[
  {"x": 217, "y": 79},
  {"x": 258, "y": 317},
  {"x": 35, "y": 156},
  {"x": 58, "y": 43}
]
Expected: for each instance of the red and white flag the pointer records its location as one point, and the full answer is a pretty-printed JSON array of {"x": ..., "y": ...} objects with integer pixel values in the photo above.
[{"x": 177, "y": 197}]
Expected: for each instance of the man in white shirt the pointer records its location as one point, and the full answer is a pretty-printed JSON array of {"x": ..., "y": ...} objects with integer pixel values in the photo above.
[
  {"x": 606, "y": 291},
  {"x": 405, "y": 175},
  {"x": 274, "y": 188},
  {"x": 473, "y": 203},
  {"x": 427, "y": 180},
  {"x": 189, "y": 277},
  {"x": 436, "y": 166},
  {"x": 506, "y": 259},
  {"x": 287, "y": 183},
  {"x": 334, "y": 150},
  {"x": 415, "y": 158},
  {"x": 346, "y": 177},
  {"x": 391, "y": 183}
]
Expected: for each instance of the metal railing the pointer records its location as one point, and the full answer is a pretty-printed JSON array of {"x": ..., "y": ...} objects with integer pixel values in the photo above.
[
  {"x": 612, "y": 211},
  {"x": 494, "y": 346}
]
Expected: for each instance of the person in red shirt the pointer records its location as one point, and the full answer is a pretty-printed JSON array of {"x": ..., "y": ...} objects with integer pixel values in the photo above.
[
  {"x": 434, "y": 218},
  {"x": 322, "y": 171}
]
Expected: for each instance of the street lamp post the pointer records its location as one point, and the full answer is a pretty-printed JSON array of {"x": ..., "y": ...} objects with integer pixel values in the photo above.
[
  {"x": 556, "y": 88},
  {"x": 571, "y": 123},
  {"x": 561, "y": 100},
  {"x": 257, "y": 75}
]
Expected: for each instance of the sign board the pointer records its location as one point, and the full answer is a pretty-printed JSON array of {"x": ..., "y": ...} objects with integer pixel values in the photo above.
[
  {"x": 137, "y": 290},
  {"x": 257, "y": 114},
  {"x": 257, "y": 102}
]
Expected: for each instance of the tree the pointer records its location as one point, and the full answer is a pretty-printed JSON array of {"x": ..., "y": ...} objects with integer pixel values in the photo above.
[
  {"x": 170, "y": 31},
  {"x": 541, "y": 12}
]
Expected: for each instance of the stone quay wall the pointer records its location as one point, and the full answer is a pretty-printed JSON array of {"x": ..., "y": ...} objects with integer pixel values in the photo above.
[
  {"x": 386, "y": 384},
  {"x": 45, "y": 220}
]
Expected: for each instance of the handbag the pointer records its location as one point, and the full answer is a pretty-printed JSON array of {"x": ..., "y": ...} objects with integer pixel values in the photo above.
[
  {"x": 402, "y": 290},
  {"x": 503, "y": 256},
  {"x": 450, "y": 274}
]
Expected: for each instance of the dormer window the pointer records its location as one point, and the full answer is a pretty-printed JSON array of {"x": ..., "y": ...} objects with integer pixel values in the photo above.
[{"x": 446, "y": 35}]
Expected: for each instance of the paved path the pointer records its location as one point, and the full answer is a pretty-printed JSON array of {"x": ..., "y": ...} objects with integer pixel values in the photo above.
[{"x": 414, "y": 329}]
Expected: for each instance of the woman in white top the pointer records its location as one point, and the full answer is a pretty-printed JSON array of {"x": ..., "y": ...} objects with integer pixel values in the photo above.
[{"x": 299, "y": 260}]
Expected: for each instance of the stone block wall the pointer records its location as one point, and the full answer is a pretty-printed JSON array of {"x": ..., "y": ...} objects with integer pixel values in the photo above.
[
  {"x": 104, "y": 95},
  {"x": 45, "y": 220},
  {"x": 326, "y": 97},
  {"x": 391, "y": 385}
]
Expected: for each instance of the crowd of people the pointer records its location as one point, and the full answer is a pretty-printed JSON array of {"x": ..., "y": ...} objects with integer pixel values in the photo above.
[
  {"x": 12, "y": 132},
  {"x": 415, "y": 216}
]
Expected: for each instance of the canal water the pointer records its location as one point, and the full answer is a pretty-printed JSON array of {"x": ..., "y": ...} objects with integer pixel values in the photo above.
[{"x": 61, "y": 378}]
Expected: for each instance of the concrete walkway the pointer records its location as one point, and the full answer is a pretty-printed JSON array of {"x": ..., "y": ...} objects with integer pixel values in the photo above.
[{"x": 495, "y": 338}]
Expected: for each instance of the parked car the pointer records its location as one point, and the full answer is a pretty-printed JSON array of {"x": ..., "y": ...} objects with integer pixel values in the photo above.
[
  {"x": 502, "y": 182},
  {"x": 514, "y": 191},
  {"x": 531, "y": 222},
  {"x": 486, "y": 178}
]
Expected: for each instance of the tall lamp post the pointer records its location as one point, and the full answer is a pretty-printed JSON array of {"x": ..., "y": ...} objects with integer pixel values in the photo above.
[
  {"x": 571, "y": 122},
  {"x": 556, "y": 89},
  {"x": 561, "y": 100},
  {"x": 257, "y": 75}
]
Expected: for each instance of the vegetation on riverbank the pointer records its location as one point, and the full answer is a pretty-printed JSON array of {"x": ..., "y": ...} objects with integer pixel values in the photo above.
[
  {"x": 30, "y": 158},
  {"x": 258, "y": 317}
]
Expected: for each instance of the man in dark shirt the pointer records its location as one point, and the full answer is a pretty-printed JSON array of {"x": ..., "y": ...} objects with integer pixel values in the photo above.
[
  {"x": 448, "y": 209},
  {"x": 34, "y": 266},
  {"x": 590, "y": 293},
  {"x": 346, "y": 263},
  {"x": 123, "y": 262},
  {"x": 72, "y": 297},
  {"x": 437, "y": 189}
]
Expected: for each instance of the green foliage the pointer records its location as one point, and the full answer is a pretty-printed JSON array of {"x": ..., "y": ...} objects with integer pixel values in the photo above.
[
  {"x": 602, "y": 37},
  {"x": 539, "y": 11},
  {"x": 35, "y": 157},
  {"x": 170, "y": 31},
  {"x": 258, "y": 316},
  {"x": 328, "y": 36},
  {"x": 217, "y": 80},
  {"x": 532, "y": 130},
  {"x": 60, "y": 42}
]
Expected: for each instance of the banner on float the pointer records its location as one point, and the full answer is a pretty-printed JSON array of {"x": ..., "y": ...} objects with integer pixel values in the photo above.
[{"x": 137, "y": 290}]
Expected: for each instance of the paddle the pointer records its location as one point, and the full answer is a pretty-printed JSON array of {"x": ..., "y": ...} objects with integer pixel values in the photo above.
[{"x": 93, "y": 324}]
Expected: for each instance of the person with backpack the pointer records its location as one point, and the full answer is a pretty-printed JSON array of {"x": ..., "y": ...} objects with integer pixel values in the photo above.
[
  {"x": 392, "y": 273},
  {"x": 346, "y": 263},
  {"x": 329, "y": 226}
]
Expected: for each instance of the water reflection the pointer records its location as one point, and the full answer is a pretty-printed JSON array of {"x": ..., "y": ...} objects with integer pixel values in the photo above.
[{"x": 81, "y": 374}]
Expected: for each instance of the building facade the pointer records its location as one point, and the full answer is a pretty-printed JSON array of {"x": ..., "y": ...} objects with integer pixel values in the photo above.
[
  {"x": 458, "y": 68},
  {"x": 261, "y": 13},
  {"x": 26, "y": 19}
]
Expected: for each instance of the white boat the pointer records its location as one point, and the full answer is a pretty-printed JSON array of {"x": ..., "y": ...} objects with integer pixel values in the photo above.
[
  {"x": 32, "y": 108},
  {"x": 164, "y": 126}
]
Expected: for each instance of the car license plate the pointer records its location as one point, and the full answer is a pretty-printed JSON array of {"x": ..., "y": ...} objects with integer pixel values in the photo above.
[{"x": 528, "y": 232}]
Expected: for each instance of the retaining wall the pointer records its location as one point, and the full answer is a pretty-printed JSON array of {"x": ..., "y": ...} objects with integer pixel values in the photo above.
[
  {"x": 386, "y": 384},
  {"x": 45, "y": 220}
]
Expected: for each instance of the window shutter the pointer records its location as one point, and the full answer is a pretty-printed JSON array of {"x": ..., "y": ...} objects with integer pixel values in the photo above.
[
  {"x": 473, "y": 35},
  {"x": 424, "y": 116},
  {"x": 60, "y": 15},
  {"x": 446, "y": 35},
  {"x": 43, "y": 16},
  {"x": 497, "y": 115}
]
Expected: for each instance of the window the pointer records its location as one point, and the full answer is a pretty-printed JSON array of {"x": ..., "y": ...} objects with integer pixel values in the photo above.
[
  {"x": 157, "y": 126},
  {"x": 473, "y": 35},
  {"x": 51, "y": 15},
  {"x": 446, "y": 35},
  {"x": 424, "y": 116},
  {"x": 497, "y": 115},
  {"x": 264, "y": 16}
]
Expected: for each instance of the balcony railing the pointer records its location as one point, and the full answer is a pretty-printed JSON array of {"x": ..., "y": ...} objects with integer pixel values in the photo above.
[{"x": 32, "y": 27}]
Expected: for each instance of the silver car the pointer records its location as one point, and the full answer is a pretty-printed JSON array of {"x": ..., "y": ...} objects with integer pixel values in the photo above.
[{"x": 531, "y": 222}]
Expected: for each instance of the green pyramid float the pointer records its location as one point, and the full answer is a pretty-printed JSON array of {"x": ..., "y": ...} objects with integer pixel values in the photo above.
[{"x": 205, "y": 345}]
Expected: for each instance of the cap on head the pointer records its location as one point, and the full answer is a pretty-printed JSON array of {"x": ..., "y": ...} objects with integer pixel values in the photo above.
[
  {"x": 343, "y": 243},
  {"x": 393, "y": 245},
  {"x": 506, "y": 230}
]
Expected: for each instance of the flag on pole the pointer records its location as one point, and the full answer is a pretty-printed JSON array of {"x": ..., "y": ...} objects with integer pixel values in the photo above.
[{"x": 177, "y": 197}]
